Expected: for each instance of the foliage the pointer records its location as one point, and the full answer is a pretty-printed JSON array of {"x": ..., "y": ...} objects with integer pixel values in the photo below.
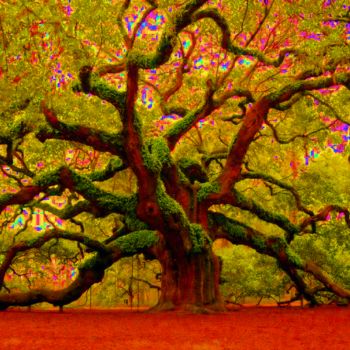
[{"x": 247, "y": 276}]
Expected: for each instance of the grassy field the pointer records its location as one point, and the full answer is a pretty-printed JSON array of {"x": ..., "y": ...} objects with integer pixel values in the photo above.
[{"x": 262, "y": 328}]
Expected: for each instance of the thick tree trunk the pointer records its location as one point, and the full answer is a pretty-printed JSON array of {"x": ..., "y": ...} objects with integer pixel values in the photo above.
[{"x": 190, "y": 283}]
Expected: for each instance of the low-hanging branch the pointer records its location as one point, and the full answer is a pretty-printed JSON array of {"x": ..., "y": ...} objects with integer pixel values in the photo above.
[
  {"x": 278, "y": 248},
  {"x": 41, "y": 240},
  {"x": 89, "y": 273},
  {"x": 101, "y": 202}
]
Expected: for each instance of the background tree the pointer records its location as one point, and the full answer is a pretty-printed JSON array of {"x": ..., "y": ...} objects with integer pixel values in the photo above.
[{"x": 186, "y": 122}]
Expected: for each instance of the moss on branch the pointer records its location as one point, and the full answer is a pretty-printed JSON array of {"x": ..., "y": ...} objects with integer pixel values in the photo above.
[
  {"x": 156, "y": 154},
  {"x": 207, "y": 189},
  {"x": 99, "y": 87},
  {"x": 263, "y": 214},
  {"x": 113, "y": 166},
  {"x": 182, "y": 125},
  {"x": 170, "y": 206},
  {"x": 199, "y": 238},
  {"x": 136, "y": 242},
  {"x": 48, "y": 178}
]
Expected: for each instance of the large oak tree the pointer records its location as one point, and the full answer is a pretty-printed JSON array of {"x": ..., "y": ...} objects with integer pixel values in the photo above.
[{"x": 199, "y": 105}]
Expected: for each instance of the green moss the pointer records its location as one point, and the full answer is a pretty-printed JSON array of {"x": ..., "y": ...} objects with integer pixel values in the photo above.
[
  {"x": 137, "y": 241},
  {"x": 206, "y": 189},
  {"x": 181, "y": 125},
  {"x": 259, "y": 242},
  {"x": 5, "y": 198},
  {"x": 90, "y": 262},
  {"x": 111, "y": 139},
  {"x": 169, "y": 206},
  {"x": 103, "y": 91},
  {"x": 295, "y": 87},
  {"x": 183, "y": 178},
  {"x": 33, "y": 241},
  {"x": 166, "y": 42},
  {"x": 199, "y": 238},
  {"x": 114, "y": 203},
  {"x": 235, "y": 230},
  {"x": 17, "y": 128},
  {"x": 48, "y": 178},
  {"x": 156, "y": 154},
  {"x": 133, "y": 223},
  {"x": 141, "y": 60},
  {"x": 343, "y": 78},
  {"x": 186, "y": 163},
  {"x": 278, "y": 244},
  {"x": 114, "y": 165},
  {"x": 84, "y": 185},
  {"x": 294, "y": 258},
  {"x": 277, "y": 219}
]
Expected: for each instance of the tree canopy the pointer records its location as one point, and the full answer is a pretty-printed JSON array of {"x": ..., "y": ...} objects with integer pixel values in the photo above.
[{"x": 159, "y": 127}]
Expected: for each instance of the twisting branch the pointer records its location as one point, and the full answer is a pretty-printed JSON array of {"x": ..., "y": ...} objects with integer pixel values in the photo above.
[
  {"x": 93, "y": 84},
  {"x": 227, "y": 44},
  {"x": 149, "y": 284},
  {"x": 66, "y": 213},
  {"x": 251, "y": 124},
  {"x": 287, "y": 105},
  {"x": 180, "y": 127},
  {"x": 274, "y": 246},
  {"x": 323, "y": 214},
  {"x": 181, "y": 19},
  {"x": 180, "y": 71},
  {"x": 114, "y": 165},
  {"x": 261, "y": 22},
  {"x": 23, "y": 196},
  {"x": 40, "y": 241},
  {"x": 277, "y": 219},
  {"x": 89, "y": 272}
]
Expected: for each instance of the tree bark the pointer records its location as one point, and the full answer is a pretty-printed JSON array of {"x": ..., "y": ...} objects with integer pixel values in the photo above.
[{"x": 190, "y": 283}]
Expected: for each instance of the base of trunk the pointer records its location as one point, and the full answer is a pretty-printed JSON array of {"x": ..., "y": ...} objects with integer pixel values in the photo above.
[
  {"x": 188, "y": 308},
  {"x": 190, "y": 283}
]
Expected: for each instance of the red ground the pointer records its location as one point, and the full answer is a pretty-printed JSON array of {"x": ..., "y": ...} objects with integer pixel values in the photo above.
[{"x": 250, "y": 328}]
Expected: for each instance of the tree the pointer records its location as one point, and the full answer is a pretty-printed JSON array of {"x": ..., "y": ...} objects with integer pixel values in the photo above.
[{"x": 194, "y": 130}]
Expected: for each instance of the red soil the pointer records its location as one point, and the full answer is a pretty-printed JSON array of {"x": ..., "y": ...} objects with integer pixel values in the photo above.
[{"x": 262, "y": 328}]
